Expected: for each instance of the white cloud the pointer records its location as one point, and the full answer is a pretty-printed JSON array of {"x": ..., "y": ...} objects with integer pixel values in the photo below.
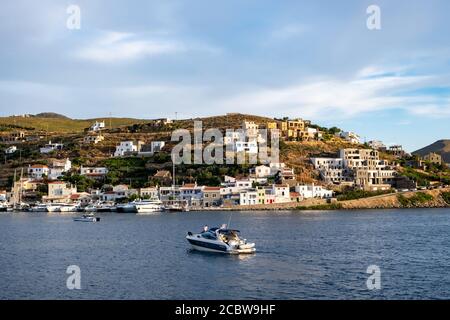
[
  {"x": 330, "y": 98},
  {"x": 117, "y": 46}
]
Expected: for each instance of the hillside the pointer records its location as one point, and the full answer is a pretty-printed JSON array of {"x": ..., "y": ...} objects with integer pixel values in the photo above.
[
  {"x": 441, "y": 147},
  {"x": 60, "y": 124}
]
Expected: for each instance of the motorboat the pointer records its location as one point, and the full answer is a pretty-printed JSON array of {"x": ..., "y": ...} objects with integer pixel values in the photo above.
[
  {"x": 54, "y": 207},
  {"x": 3, "y": 207},
  {"x": 126, "y": 207},
  {"x": 148, "y": 206},
  {"x": 176, "y": 207},
  {"x": 69, "y": 207},
  {"x": 87, "y": 218},
  {"x": 39, "y": 207},
  {"x": 106, "y": 207},
  {"x": 221, "y": 240},
  {"x": 90, "y": 208}
]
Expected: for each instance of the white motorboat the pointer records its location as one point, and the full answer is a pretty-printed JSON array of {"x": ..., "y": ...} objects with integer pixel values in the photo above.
[
  {"x": 148, "y": 206},
  {"x": 220, "y": 240},
  {"x": 39, "y": 207},
  {"x": 106, "y": 207},
  {"x": 3, "y": 207},
  {"x": 69, "y": 208},
  {"x": 90, "y": 208},
  {"x": 54, "y": 207},
  {"x": 87, "y": 218}
]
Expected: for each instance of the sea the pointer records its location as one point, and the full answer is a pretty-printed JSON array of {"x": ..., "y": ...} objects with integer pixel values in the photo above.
[{"x": 368, "y": 254}]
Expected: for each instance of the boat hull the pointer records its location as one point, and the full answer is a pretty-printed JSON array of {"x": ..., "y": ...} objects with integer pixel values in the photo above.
[{"x": 216, "y": 246}]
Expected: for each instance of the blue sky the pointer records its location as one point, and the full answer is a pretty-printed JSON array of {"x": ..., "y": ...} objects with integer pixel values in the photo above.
[{"x": 311, "y": 59}]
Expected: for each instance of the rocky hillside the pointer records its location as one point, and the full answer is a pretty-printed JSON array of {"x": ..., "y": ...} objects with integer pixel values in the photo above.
[{"x": 441, "y": 147}]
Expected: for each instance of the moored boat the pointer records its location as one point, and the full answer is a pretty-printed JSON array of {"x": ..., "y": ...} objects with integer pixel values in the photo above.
[
  {"x": 148, "y": 206},
  {"x": 220, "y": 240}
]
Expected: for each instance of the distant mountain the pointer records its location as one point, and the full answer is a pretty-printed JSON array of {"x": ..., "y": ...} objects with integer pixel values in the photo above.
[
  {"x": 51, "y": 115},
  {"x": 441, "y": 147}
]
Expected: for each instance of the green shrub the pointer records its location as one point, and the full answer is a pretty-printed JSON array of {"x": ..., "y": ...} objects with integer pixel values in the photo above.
[{"x": 417, "y": 199}]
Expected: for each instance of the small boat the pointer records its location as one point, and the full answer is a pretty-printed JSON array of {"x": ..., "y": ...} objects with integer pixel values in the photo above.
[
  {"x": 148, "y": 206},
  {"x": 90, "y": 208},
  {"x": 221, "y": 240},
  {"x": 87, "y": 218}
]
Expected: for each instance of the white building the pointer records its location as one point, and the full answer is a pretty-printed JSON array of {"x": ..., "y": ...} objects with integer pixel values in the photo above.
[
  {"x": 49, "y": 147},
  {"x": 37, "y": 171},
  {"x": 11, "y": 150},
  {"x": 312, "y": 191},
  {"x": 350, "y": 137},
  {"x": 94, "y": 172},
  {"x": 281, "y": 192},
  {"x": 149, "y": 192},
  {"x": 261, "y": 171},
  {"x": 97, "y": 126},
  {"x": 248, "y": 197},
  {"x": 124, "y": 148},
  {"x": 377, "y": 145},
  {"x": 93, "y": 138},
  {"x": 156, "y": 146},
  {"x": 58, "y": 168},
  {"x": 247, "y": 146}
]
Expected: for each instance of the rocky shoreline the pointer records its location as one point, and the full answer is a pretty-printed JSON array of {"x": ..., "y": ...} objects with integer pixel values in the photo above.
[{"x": 438, "y": 198}]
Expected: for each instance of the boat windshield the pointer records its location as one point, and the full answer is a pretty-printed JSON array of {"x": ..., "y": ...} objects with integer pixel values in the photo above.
[{"x": 209, "y": 235}]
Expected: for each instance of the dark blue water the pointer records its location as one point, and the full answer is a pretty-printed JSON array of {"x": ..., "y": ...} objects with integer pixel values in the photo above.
[{"x": 301, "y": 255}]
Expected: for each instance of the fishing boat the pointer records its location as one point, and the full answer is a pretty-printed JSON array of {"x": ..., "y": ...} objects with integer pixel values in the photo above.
[
  {"x": 148, "y": 206},
  {"x": 220, "y": 240},
  {"x": 86, "y": 218}
]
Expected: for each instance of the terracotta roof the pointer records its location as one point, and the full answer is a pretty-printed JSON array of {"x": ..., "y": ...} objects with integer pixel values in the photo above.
[
  {"x": 294, "y": 194},
  {"x": 57, "y": 182},
  {"x": 39, "y": 166},
  {"x": 162, "y": 173},
  {"x": 211, "y": 189}
]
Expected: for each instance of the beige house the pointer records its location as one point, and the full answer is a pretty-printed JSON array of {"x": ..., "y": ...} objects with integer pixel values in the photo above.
[
  {"x": 433, "y": 158},
  {"x": 211, "y": 197}
]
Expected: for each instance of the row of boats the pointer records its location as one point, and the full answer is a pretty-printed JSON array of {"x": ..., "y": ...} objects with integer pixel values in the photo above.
[{"x": 137, "y": 206}]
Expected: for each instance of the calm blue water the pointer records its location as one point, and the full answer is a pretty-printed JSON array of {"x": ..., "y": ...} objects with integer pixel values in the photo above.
[{"x": 301, "y": 255}]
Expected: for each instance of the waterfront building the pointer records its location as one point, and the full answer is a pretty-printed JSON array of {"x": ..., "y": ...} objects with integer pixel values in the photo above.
[
  {"x": 281, "y": 192},
  {"x": 192, "y": 194},
  {"x": 149, "y": 193},
  {"x": 312, "y": 191},
  {"x": 211, "y": 197},
  {"x": 248, "y": 197},
  {"x": 59, "y": 191}
]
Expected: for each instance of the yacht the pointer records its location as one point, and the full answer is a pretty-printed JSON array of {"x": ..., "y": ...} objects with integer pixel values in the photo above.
[
  {"x": 148, "y": 206},
  {"x": 176, "y": 207},
  {"x": 221, "y": 240}
]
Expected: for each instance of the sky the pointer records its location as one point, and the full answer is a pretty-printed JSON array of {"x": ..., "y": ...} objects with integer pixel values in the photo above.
[{"x": 315, "y": 60}]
